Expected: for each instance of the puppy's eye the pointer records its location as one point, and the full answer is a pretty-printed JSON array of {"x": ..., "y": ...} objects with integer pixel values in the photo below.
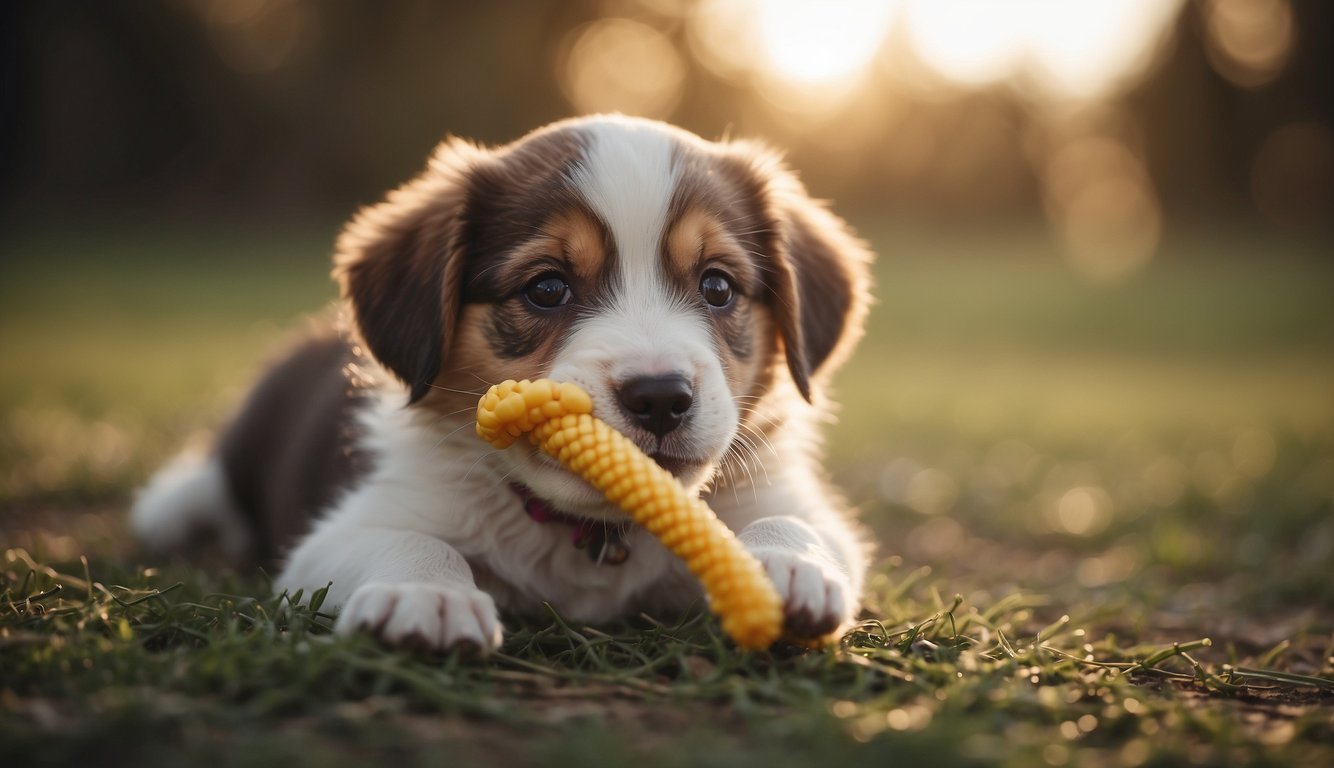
[
  {"x": 547, "y": 291},
  {"x": 716, "y": 288}
]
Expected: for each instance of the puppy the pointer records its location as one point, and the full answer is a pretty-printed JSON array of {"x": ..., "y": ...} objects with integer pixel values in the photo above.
[{"x": 692, "y": 288}]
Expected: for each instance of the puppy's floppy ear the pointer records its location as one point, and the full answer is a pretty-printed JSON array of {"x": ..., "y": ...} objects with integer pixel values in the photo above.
[
  {"x": 820, "y": 279},
  {"x": 399, "y": 265}
]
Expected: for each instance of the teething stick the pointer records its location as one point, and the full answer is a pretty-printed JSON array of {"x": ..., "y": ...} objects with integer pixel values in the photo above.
[{"x": 557, "y": 417}]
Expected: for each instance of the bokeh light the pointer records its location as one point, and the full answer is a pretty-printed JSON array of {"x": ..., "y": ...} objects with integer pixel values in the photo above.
[
  {"x": 931, "y": 491},
  {"x": 621, "y": 65},
  {"x": 1103, "y": 207},
  {"x": 1082, "y": 511},
  {"x": 721, "y": 35},
  {"x": 258, "y": 36},
  {"x": 1292, "y": 177},
  {"x": 818, "y": 43},
  {"x": 804, "y": 59},
  {"x": 967, "y": 43},
  {"x": 1114, "y": 565},
  {"x": 804, "y": 43},
  {"x": 1249, "y": 41}
]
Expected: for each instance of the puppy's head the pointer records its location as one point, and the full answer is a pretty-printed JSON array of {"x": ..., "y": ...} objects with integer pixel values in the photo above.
[{"x": 680, "y": 282}]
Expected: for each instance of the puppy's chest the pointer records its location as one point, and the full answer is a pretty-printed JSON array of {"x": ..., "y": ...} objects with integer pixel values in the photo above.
[{"x": 526, "y": 563}]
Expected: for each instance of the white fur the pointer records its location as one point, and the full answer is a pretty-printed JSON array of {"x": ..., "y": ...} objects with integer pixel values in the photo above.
[
  {"x": 628, "y": 176},
  {"x": 424, "y": 614},
  {"x": 185, "y": 498}
]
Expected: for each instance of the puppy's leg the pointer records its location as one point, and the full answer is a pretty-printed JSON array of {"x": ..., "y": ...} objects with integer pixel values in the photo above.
[
  {"x": 811, "y": 552},
  {"x": 408, "y": 588}
]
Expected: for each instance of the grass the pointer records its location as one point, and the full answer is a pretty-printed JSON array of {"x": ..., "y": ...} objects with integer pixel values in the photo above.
[{"x": 1105, "y": 517}]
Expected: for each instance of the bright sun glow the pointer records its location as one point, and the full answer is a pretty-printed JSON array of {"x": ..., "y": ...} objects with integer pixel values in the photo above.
[
  {"x": 969, "y": 43},
  {"x": 818, "y": 42},
  {"x": 1072, "y": 49}
]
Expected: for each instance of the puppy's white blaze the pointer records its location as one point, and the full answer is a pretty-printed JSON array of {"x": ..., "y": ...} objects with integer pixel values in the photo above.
[
  {"x": 654, "y": 335},
  {"x": 628, "y": 175}
]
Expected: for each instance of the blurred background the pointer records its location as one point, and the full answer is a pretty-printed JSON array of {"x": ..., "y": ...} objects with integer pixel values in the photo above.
[
  {"x": 1103, "y": 350},
  {"x": 1115, "y": 123}
]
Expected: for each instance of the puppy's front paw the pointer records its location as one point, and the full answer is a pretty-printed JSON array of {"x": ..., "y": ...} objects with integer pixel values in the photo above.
[
  {"x": 817, "y": 598},
  {"x": 433, "y": 617}
]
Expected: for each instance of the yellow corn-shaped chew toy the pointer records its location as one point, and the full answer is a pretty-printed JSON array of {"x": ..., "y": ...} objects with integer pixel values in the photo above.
[{"x": 559, "y": 419}]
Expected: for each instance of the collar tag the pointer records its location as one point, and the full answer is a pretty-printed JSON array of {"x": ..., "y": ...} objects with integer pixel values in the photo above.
[{"x": 604, "y": 541}]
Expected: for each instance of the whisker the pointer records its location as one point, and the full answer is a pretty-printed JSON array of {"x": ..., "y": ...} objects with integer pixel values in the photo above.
[
  {"x": 747, "y": 418},
  {"x": 444, "y": 416},
  {"x": 485, "y": 455},
  {"x": 759, "y": 437},
  {"x": 498, "y": 265},
  {"x": 752, "y": 453},
  {"x": 750, "y": 476},
  {"x": 731, "y": 480},
  {"x": 453, "y": 432},
  {"x": 458, "y": 391}
]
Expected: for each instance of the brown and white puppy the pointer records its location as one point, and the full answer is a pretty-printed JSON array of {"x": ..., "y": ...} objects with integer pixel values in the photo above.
[{"x": 692, "y": 288}]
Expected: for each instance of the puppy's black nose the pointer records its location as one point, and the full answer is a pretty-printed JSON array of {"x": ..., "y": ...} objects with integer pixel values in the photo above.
[{"x": 658, "y": 403}]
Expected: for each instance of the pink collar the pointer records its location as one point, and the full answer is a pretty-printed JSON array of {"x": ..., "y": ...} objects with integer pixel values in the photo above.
[{"x": 604, "y": 541}]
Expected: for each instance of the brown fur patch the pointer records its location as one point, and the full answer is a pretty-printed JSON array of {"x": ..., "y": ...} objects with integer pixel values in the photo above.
[
  {"x": 816, "y": 272},
  {"x": 399, "y": 267},
  {"x": 291, "y": 447},
  {"x": 699, "y": 241},
  {"x": 509, "y": 338},
  {"x": 822, "y": 284}
]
